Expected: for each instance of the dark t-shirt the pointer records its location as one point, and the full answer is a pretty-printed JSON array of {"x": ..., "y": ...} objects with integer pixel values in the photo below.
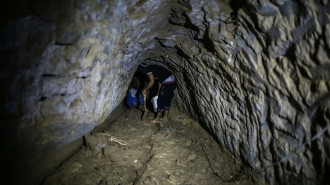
[{"x": 159, "y": 73}]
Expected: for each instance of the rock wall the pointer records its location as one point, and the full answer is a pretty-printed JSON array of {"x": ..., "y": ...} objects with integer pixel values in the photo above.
[
  {"x": 256, "y": 73},
  {"x": 66, "y": 66},
  {"x": 259, "y": 79}
]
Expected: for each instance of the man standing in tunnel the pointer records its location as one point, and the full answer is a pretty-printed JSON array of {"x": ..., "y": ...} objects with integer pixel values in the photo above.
[{"x": 166, "y": 87}]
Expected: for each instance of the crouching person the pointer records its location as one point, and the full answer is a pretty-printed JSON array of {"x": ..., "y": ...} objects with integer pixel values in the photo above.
[{"x": 133, "y": 97}]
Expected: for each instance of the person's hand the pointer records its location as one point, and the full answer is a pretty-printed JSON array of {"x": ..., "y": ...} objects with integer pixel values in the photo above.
[{"x": 144, "y": 92}]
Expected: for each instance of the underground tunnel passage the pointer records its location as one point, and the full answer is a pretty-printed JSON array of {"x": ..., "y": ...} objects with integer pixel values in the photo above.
[{"x": 254, "y": 74}]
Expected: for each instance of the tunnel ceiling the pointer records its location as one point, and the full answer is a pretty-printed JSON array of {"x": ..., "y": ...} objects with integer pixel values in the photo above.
[{"x": 254, "y": 72}]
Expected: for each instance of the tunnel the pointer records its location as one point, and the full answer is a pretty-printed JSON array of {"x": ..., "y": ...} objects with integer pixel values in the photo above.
[{"x": 255, "y": 74}]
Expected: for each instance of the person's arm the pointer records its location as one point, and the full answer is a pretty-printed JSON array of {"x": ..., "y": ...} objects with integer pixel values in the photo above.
[
  {"x": 149, "y": 85},
  {"x": 159, "y": 86}
]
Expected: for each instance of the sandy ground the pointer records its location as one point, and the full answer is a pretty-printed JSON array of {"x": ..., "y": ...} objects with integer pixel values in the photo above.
[{"x": 125, "y": 150}]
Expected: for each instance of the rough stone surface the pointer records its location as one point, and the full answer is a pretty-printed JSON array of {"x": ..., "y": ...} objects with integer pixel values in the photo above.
[
  {"x": 255, "y": 72},
  {"x": 260, "y": 82}
]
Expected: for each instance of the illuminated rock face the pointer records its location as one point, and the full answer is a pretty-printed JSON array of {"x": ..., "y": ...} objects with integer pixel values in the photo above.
[{"x": 256, "y": 73}]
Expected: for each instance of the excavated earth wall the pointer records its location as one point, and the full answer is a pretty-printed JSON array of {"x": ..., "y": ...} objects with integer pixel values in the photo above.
[{"x": 255, "y": 73}]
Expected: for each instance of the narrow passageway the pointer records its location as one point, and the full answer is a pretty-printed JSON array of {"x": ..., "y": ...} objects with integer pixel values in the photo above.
[
  {"x": 253, "y": 73},
  {"x": 126, "y": 150}
]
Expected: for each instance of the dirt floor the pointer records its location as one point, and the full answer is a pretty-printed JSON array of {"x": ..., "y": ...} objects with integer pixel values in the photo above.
[{"x": 125, "y": 150}]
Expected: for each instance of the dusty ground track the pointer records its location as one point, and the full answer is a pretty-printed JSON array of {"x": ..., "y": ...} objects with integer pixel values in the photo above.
[{"x": 177, "y": 152}]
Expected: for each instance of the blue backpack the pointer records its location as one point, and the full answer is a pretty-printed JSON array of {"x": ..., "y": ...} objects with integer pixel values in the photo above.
[{"x": 132, "y": 100}]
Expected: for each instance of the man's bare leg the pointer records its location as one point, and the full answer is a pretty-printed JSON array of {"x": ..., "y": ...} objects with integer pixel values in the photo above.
[
  {"x": 157, "y": 118},
  {"x": 165, "y": 118}
]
